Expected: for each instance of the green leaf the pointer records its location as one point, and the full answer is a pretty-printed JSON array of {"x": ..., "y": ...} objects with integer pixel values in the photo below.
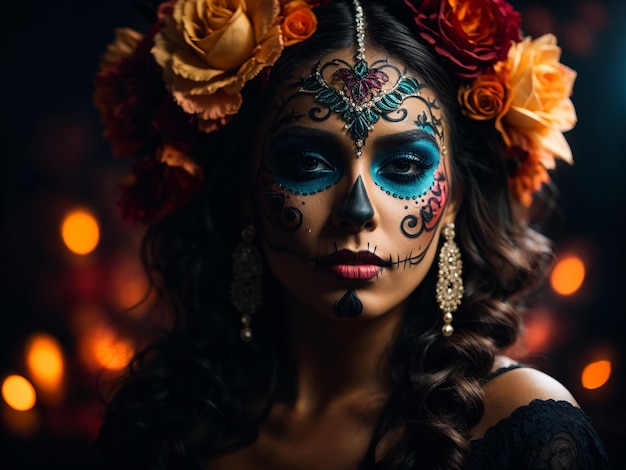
[
  {"x": 360, "y": 68},
  {"x": 327, "y": 96},
  {"x": 409, "y": 86},
  {"x": 311, "y": 84}
]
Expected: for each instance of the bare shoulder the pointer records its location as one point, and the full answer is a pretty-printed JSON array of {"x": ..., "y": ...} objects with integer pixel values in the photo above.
[{"x": 514, "y": 388}]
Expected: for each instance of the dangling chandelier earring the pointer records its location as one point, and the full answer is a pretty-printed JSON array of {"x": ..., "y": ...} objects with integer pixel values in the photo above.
[
  {"x": 245, "y": 288},
  {"x": 450, "y": 279}
]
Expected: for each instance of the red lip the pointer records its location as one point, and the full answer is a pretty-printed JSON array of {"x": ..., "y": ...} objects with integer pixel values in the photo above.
[
  {"x": 353, "y": 258},
  {"x": 355, "y": 271},
  {"x": 359, "y": 265}
]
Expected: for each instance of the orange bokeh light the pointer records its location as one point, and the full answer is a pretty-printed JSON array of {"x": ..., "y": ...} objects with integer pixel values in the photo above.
[
  {"x": 568, "y": 275},
  {"x": 18, "y": 393},
  {"x": 539, "y": 332},
  {"x": 129, "y": 284},
  {"x": 80, "y": 232},
  {"x": 44, "y": 358},
  {"x": 102, "y": 348},
  {"x": 596, "y": 374}
]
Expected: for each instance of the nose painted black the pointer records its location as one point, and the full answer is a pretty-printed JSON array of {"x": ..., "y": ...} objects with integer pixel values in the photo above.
[{"x": 356, "y": 208}]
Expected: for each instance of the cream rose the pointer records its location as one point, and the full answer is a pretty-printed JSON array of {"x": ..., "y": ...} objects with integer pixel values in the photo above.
[
  {"x": 209, "y": 49},
  {"x": 539, "y": 108}
]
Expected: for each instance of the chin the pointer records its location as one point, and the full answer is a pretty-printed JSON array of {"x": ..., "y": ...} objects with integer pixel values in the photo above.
[{"x": 360, "y": 304}]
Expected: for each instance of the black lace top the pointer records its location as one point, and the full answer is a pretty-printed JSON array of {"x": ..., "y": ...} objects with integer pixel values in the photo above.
[{"x": 545, "y": 434}]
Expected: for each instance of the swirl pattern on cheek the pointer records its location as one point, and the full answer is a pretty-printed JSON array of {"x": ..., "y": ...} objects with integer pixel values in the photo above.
[
  {"x": 275, "y": 206},
  {"x": 412, "y": 226}
]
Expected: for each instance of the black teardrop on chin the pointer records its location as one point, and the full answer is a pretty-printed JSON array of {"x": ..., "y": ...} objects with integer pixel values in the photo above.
[{"x": 349, "y": 306}]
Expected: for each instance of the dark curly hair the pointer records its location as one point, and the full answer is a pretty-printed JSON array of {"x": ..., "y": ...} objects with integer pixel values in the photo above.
[{"x": 198, "y": 390}]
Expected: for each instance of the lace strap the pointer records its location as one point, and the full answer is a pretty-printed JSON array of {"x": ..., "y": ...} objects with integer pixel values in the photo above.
[{"x": 498, "y": 372}]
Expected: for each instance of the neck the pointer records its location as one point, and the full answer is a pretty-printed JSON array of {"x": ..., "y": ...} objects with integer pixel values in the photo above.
[{"x": 334, "y": 358}]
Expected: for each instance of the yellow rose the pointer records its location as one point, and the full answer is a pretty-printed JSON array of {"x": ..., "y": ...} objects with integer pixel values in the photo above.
[
  {"x": 539, "y": 108},
  {"x": 209, "y": 49}
]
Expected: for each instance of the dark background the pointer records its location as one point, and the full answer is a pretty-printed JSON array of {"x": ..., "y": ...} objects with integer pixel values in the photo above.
[{"x": 54, "y": 159}]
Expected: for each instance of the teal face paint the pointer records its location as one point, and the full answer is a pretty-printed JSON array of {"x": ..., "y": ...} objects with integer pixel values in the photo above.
[
  {"x": 303, "y": 164},
  {"x": 406, "y": 170}
]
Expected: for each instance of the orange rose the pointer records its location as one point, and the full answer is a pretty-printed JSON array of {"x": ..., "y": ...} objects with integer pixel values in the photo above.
[
  {"x": 300, "y": 22},
  {"x": 484, "y": 98},
  {"x": 209, "y": 49},
  {"x": 539, "y": 108}
]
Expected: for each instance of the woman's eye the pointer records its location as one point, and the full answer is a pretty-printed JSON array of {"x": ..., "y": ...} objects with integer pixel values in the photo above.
[
  {"x": 303, "y": 166},
  {"x": 402, "y": 167},
  {"x": 304, "y": 172},
  {"x": 408, "y": 171},
  {"x": 313, "y": 163}
]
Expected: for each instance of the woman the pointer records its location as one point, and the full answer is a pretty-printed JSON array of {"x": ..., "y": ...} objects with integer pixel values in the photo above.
[{"x": 342, "y": 233}]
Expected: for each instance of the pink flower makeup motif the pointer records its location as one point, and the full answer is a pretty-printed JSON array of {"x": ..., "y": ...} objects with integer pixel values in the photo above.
[{"x": 361, "y": 83}]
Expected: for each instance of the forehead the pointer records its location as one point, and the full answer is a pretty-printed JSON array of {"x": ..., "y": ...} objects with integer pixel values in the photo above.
[{"x": 356, "y": 98}]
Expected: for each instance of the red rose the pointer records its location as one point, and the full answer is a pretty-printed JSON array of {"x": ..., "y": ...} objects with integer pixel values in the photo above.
[
  {"x": 317, "y": 3},
  {"x": 472, "y": 35}
]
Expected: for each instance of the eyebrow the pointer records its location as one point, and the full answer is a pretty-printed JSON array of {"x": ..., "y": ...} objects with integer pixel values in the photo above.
[
  {"x": 331, "y": 142},
  {"x": 402, "y": 138},
  {"x": 310, "y": 134}
]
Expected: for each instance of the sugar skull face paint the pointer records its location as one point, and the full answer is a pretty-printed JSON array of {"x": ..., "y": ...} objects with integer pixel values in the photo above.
[{"x": 351, "y": 236}]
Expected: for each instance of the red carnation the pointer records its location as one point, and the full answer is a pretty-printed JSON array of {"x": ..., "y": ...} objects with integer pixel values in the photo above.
[
  {"x": 175, "y": 127},
  {"x": 472, "y": 35},
  {"x": 128, "y": 91},
  {"x": 154, "y": 189}
]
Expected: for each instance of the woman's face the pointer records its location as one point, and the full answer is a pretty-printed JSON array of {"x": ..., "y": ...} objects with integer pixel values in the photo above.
[{"x": 352, "y": 182}]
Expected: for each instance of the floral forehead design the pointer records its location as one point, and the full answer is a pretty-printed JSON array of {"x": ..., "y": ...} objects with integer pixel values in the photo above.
[
  {"x": 162, "y": 93},
  {"x": 360, "y": 99}
]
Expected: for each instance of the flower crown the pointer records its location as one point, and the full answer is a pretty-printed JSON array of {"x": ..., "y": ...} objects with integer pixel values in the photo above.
[{"x": 203, "y": 53}]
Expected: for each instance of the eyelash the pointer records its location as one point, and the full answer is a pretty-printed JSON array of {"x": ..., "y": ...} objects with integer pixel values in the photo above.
[
  {"x": 407, "y": 172},
  {"x": 419, "y": 163},
  {"x": 295, "y": 166},
  {"x": 304, "y": 172}
]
